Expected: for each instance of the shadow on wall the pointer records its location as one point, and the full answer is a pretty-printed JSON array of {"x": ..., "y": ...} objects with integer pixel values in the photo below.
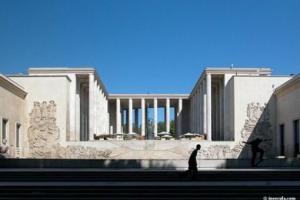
[{"x": 259, "y": 124}]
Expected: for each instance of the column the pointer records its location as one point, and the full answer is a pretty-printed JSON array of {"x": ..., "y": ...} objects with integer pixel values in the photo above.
[
  {"x": 95, "y": 107},
  {"x": 130, "y": 116},
  {"x": 204, "y": 107},
  {"x": 86, "y": 123},
  {"x": 143, "y": 116},
  {"x": 221, "y": 90},
  {"x": 201, "y": 108},
  {"x": 146, "y": 120},
  {"x": 155, "y": 116},
  {"x": 99, "y": 111},
  {"x": 191, "y": 114},
  {"x": 77, "y": 110},
  {"x": 118, "y": 116},
  {"x": 72, "y": 108},
  {"x": 91, "y": 106},
  {"x": 208, "y": 107},
  {"x": 179, "y": 118},
  {"x": 168, "y": 115},
  {"x": 194, "y": 113}
]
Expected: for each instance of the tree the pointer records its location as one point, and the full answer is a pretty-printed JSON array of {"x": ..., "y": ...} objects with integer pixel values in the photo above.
[
  {"x": 172, "y": 127},
  {"x": 161, "y": 127}
]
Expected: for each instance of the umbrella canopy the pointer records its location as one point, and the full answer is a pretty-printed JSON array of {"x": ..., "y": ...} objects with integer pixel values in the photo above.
[
  {"x": 167, "y": 136},
  {"x": 163, "y": 133},
  {"x": 188, "y": 134}
]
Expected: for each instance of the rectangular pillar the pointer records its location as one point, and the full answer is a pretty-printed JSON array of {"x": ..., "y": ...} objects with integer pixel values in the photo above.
[
  {"x": 118, "y": 116},
  {"x": 179, "y": 118},
  {"x": 95, "y": 107},
  {"x": 201, "y": 108},
  {"x": 204, "y": 108},
  {"x": 155, "y": 116},
  {"x": 91, "y": 107},
  {"x": 72, "y": 108},
  {"x": 143, "y": 116},
  {"x": 130, "y": 116},
  {"x": 77, "y": 109},
  {"x": 192, "y": 114},
  {"x": 168, "y": 115},
  {"x": 208, "y": 112}
]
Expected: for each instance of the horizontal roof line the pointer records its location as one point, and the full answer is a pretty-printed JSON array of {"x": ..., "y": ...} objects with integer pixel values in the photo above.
[
  {"x": 39, "y": 76},
  {"x": 148, "y": 96},
  {"x": 239, "y": 68},
  {"x": 61, "y": 69}
]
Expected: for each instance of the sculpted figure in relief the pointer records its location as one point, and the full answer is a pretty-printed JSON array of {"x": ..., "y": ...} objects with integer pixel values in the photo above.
[
  {"x": 256, "y": 124},
  {"x": 43, "y": 136}
]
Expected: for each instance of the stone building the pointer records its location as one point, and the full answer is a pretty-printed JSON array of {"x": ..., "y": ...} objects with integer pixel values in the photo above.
[
  {"x": 68, "y": 113},
  {"x": 287, "y": 111}
]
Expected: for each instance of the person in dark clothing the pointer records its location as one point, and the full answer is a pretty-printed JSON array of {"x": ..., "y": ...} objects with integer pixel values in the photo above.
[
  {"x": 256, "y": 149},
  {"x": 193, "y": 162}
]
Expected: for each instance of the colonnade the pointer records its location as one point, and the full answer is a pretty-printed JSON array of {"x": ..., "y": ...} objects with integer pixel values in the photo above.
[
  {"x": 98, "y": 108},
  {"x": 207, "y": 106},
  {"x": 200, "y": 112},
  {"x": 142, "y": 104}
]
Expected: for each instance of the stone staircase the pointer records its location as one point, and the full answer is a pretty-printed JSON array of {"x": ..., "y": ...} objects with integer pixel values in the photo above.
[
  {"x": 147, "y": 184},
  {"x": 72, "y": 179}
]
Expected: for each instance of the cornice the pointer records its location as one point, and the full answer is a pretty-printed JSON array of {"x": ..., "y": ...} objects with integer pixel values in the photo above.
[
  {"x": 12, "y": 86},
  {"x": 288, "y": 85},
  {"x": 63, "y": 70}
]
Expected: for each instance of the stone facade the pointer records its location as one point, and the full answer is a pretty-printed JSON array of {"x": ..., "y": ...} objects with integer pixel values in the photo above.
[
  {"x": 225, "y": 108},
  {"x": 43, "y": 137}
]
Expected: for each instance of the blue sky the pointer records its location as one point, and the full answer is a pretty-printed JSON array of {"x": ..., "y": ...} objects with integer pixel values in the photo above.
[{"x": 149, "y": 46}]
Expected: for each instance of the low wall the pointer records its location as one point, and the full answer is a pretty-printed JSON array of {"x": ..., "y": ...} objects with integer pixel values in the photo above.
[
  {"x": 137, "y": 149},
  {"x": 148, "y": 149}
]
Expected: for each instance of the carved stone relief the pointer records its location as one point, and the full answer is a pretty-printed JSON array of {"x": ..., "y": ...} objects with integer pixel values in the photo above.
[
  {"x": 256, "y": 125},
  {"x": 43, "y": 136}
]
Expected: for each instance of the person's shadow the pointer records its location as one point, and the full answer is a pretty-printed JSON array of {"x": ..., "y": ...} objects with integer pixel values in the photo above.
[{"x": 255, "y": 149}]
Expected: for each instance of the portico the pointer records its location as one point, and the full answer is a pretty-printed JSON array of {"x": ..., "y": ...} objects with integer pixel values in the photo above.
[{"x": 136, "y": 108}]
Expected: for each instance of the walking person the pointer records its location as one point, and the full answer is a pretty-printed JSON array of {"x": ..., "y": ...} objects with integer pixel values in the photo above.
[{"x": 192, "y": 170}]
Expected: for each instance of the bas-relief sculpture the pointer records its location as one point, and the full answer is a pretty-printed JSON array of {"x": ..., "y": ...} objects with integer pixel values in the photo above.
[
  {"x": 256, "y": 125},
  {"x": 43, "y": 136},
  {"x": 43, "y": 132}
]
